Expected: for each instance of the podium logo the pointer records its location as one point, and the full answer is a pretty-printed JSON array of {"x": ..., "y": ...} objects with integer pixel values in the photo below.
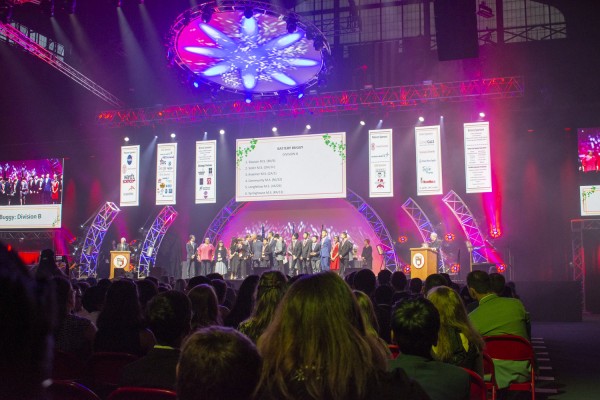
[
  {"x": 120, "y": 262},
  {"x": 418, "y": 261}
]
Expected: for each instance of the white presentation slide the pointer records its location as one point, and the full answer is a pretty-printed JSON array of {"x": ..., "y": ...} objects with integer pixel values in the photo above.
[
  {"x": 40, "y": 216},
  {"x": 291, "y": 167},
  {"x": 590, "y": 200}
]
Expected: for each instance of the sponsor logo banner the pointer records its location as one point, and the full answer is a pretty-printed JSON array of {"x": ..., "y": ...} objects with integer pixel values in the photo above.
[
  {"x": 130, "y": 176},
  {"x": 166, "y": 173},
  {"x": 429, "y": 160},
  {"x": 381, "y": 163},
  {"x": 206, "y": 171}
]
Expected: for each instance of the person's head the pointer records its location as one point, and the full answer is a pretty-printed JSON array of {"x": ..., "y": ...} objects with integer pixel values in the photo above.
[
  {"x": 432, "y": 281},
  {"x": 217, "y": 363},
  {"x": 169, "y": 317},
  {"x": 383, "y": 295},
  {"x": 318, "y": 331},
  {"x": 205, "y": 306},
  {"x": 415, "y": 285},
  {"x": 479, "y": 284},
  {"x": 336, "y": 239},
  {"x": 147, "y": 289},
  {"x": 192, "y": 238},
  {"x": 314, "y": 238},
  {"x": 220, "y": 288},
  {"x": 269, "y": 292},
  {"x": 270, "y": 235},
  {"x": 384, "y": 277},
  {"x": 93, "y": 299},
  {"x": 398, "y": 281},
  {"x": 415, "y": 326},
  {"x": 344, "y": 235},
  {"x": 265, "y": 241},
  {"x": 590, "y": 153},
  {"x": 305, "y": 235},
  {"x": 65, "y": 296},
  {"x": 123, "y": 240},
  {"x": 324, "y": 233},
  {"x": 365, "y": 281},
  {"x": 220, "y": 244},
  {"x": 367, "y": 242},
  {"x": 433, "y": 236},
  {"x": 206, "y": 241},
  {"x": 497, "y": 283},
  {"x": 121, "y": 306},
  {"x": 197, "y": 280},
  {"x": 295, "y": 236}
]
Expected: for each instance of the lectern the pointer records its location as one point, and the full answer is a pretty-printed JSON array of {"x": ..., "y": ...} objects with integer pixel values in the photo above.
[
  {"x": 118, "y": 259},
  {"x": 423, "y": 262}
]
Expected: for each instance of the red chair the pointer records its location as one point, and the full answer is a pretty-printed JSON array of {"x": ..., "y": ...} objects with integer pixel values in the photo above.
[
  {"x": 137, "y": 393},
  {"x": 66, "y": 367},
  {"x": 395, "y": 350},
  {"x": 104, "y": 371},
  {"x": 478, "y": 390},
  {"x": 489, "y": 371},
  {"x": 69, "y": 390},
  {"x": 513, "y": 348}
]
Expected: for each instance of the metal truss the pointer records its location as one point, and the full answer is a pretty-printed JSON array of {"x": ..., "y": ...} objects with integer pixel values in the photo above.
[
  {"x": 52, "y": 46},
  {"x": 349, "y": 102},
  {"x": 155, "y": 235},
  {"x": 30, "y": 46},
  {"x": 422, "y": 222},
  {"x": 578, "y": 229},
  {"x": 385, "y": 240},
  {"x": 26, "y": 235},
  {"x": 469, "y": 225},
  {"x": 93, "y": 239}
]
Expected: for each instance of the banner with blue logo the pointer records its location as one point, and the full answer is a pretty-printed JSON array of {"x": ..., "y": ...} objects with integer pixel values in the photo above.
[{"x": 130, "y": 176}]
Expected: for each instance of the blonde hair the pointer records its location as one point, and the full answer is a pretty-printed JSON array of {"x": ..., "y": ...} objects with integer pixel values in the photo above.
[{"x": 453, "y": 317}]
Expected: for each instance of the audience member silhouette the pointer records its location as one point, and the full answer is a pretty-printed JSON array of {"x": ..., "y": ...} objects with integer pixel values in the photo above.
[
  {"x": 244, "y": 303},
  {"x": 365, "y": 281},
  {"x": 205, "y": 308},
  {"x": 432, "y": 281}
]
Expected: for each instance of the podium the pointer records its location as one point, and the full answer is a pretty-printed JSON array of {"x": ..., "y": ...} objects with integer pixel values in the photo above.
[
  {"x": 423, "y": 262},
  {"x": 119, "y": 260}
]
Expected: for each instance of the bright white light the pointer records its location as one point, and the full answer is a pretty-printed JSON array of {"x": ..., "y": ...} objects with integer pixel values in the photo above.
[
  {"x": 173, "y": 135},
  {"x": 421, "y": 119},
  {"x": 307, "y": 126},
  {"x": 126, "y": 138},
  {"x": 274, "y": 129},
  {"x": 362, "y": 123},
  {"x": 222, "y": 131},
  {"x": 482, "y": 114}
]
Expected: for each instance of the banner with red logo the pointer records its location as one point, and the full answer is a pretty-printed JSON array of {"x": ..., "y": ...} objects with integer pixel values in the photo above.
[
  {"x": 429, "y": 160},
  {"x": 166, "y": 173},
  {"x": 130, "y": 176},
  {"x": 206, "y": 171},
  {"x": 381, "y": 163}
]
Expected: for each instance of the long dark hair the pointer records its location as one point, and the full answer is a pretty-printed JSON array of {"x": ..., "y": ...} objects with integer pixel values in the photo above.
[
  {"x": 121, "y": 308},
  {"x": 205, "y": 309},
  {"x": 244, "y": 303}
]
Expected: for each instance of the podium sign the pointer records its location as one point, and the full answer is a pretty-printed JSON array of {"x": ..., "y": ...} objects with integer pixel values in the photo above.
[
  {"x": 119, "y": 260},
  {"x": 423, "y": 262}
]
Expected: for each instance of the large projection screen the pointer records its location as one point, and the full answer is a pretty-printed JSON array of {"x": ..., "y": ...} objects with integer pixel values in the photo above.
[{"x": 291, "y": 167}]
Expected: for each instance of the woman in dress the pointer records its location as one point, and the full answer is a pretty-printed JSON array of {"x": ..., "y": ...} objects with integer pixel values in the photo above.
[
  {"x": 221, "y": 259},
  {"x": 334, "y": 265},
  {"x": 54, "y": 193},
  {"x": 367, "y": 255}
]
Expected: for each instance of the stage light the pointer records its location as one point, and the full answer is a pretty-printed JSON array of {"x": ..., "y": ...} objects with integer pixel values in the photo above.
[
  {"x": 455, "y": 268},
  {"x": 274, "y": 129},
  {"x": 70, "y": 6},
  {"x": 501, "y": 268},
  {"x": 118, "y": 3},
  {"x": 407, "y": 269},
  {"x": 379, "y": 124},
  {"x": 300, "y": 93},
  {"x": 248, "y": 98},
  {"x": 173, "y": 135},
  {"x": 222, "y": 131},
  {"x": 308, "y": 126},
  {"x": 126, "y": 138},
  {"x": 482, "y": 115},
  {"x": 402, "y": 239},
  {"x": 449, "y": 237},
  {"x": 207, "y": 13},
  {"x": 196, "y": 84},
  {"x": 155, "y": 137},
  {"x": 485, "y": 11},
  {"x": 362, "y": 123},
  {"x": 421, "y": 119},
  {"x": 291, "y": 24},
  {"x": 248, "y": 12}
]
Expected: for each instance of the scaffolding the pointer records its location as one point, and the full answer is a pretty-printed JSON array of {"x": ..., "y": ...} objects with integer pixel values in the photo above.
[
  {"x": 94, "y": 237},
  {"x": 155, "y": 235}
]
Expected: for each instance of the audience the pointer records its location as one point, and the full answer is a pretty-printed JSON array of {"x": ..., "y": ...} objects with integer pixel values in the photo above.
[
  {"x": 369, "y": 318},
  {"x": 365, "y": 281},
  {"x": 415, "y": 287},
  {"x": 92, "y": 302},
  {"x": 221, "y": 291},
  {"x": 169, "y": 317},
  {"x": 120, "y": 323},
  {"x": 384, "y": 277},
  {"x": 147, "y": 289},
  {"x": 217, "y": 363},
  {"x": 269, "y": 292},
  {"x": 205, "y": 308},
  {"x": 415, "y": 328},
  {"x": 382, "y": 300},
  {"x": 244, "y": 302},
  {"x": 458, "y": 342},
  {"x": 399, "y": 283},
  {"x": 317, "y": 347},
  {"x": 434, "y": 280},
  {"x": 47, "y": 267}
]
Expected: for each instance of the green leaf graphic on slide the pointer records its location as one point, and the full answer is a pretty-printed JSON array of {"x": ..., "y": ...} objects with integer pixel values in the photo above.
[
  {"x": 243, "y": 151},
  {"x": 338, "y": 147}
]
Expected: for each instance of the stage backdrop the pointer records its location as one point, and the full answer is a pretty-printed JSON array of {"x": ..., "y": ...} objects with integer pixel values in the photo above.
[{"x": 286, "y": 217}]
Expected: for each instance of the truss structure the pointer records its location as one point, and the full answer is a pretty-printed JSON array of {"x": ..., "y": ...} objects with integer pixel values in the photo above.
[
  {"x": 385, "y": 240},
  {"x": 469, "y": 225},
  {"x": 155, "y": 235},
  {"x": 94, "y": 237},
  {"x": 52, "y": 46},
  {"x": 578, "y": 229},
  {"x": 26, "y": 235},
  {"x": 15, "y": 35},
  {"x": 349, "y": 102}
]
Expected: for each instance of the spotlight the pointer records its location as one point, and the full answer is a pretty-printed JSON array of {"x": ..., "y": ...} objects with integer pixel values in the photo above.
[
  {"x": 248, "y": 98},
  {"x": 196, "y": 84},
  {"x": 207, "y": 13},
  {"x": 300, "y": 93},
  {"x": 126, "y": 138},
  {"x": 274, "y": 129},
  {"x": 421, "y": 119},
  {"x": 173, "y": 135},
  {"x": 482, "y": 115},
  {"x": 222, "y": 131},
  {"x": 308, "y": 126},
  {"x": 118, "y": 3},
  {"x": 485, "y": 11},
  {"x": 291, "y": 24},
  {"x": 70, "y": 6},
  {"x": 362, "y": 123},
  {"x": 248, "y": 12}
]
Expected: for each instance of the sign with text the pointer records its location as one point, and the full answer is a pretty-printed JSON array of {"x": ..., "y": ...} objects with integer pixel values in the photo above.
[
  {"x": 429, "y": 160},
  {"x": 166, "y": 173},
  {"x": 130, "y": 176},
  {"x": 30, "y": 217},
  {"x": 381, "y": 163},
  {"x": 206, "y": 171},
  {"x": 478, "y": 165}
]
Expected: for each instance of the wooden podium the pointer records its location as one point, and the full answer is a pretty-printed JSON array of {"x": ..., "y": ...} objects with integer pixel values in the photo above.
[
  {"x": 120, "y": 260},
  {"x": 423, "y": 262}
]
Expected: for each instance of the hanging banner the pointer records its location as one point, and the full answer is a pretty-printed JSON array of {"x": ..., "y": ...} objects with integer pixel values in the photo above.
[
  {"x": 130, "y": 176},
  {"x": 478, "y": 165},
  {"x": 429, "y": 160},
  {"x": 166, "y": 173},
  {"x": 206, "y": 171},
  {"x": 381, "y": 163}
]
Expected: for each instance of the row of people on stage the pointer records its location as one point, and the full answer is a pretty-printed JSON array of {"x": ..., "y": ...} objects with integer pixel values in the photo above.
[
  {"x": 31, "y": 190},
  {"x": 253, "y": 253}
]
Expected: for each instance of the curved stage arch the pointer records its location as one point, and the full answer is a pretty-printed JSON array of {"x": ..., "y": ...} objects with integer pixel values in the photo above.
[{"x": 300, "y": 218}]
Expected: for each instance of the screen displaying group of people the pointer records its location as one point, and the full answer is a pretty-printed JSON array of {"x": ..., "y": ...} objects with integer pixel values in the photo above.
[
  {"x": 30, "y": 189},
  {"x": 254, "y": 253}
]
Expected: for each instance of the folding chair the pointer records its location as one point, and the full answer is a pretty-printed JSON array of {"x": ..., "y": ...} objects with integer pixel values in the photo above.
[
  {"x": 513, "y": 348},
  {"x": 478, "y": 390}
]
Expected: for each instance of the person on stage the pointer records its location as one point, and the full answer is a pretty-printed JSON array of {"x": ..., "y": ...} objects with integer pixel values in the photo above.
[
  {"x": 46, "y": 189},
  {"x": 206, "y": 253},
  {"x": 256, "y": 247},
  {"x": 221, "y": 259},
  {"x": 266, "y": 255},
  {"x": 24, "y": 192},
  {"x": 435, "y": 243},
  {"x": 334, "y": 265},
  {"x": 315, "y": 255},
  {"x": 123, "y": 245},
  {"x": 366, "y": 255},
  {"x": 190, "y": 258},
  {"x": 295, "y": 252},
  {"x": 54, "y": 190},
  {"x": 271, "y": 241},
  {"x": 240, "y": 268},
  {"x": 589, "y": 163},
  {"x": 345, "y": 253},
  {"x": 305, "y": 255},
  {"x": 234, "y": 259},
  {"x": 325, "y": 250}
]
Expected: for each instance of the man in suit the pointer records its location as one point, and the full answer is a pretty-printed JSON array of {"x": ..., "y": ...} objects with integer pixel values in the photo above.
[
  {"x": 190, "y": 256},
  {"x": 169, "y": 319},
  {"x": 315, "y": 255},
  {"x": 279, "y": 253},
  {"x": 415, "y": 326},
  {"x": 325, "y": 250},
  {"x": 123, "y": 245},
  {"x": 345, "y": 253},
  {"x": 256, "y": 247},
  {"x": 295, "y": 252},
  {"x": 47, "y": 189},
  {"x": 499, "y": 316},
  {"x": 305, "y": 255}
]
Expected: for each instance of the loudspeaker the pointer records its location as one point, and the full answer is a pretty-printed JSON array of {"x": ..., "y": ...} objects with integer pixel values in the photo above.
[{"x": 456, "y": 29}]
